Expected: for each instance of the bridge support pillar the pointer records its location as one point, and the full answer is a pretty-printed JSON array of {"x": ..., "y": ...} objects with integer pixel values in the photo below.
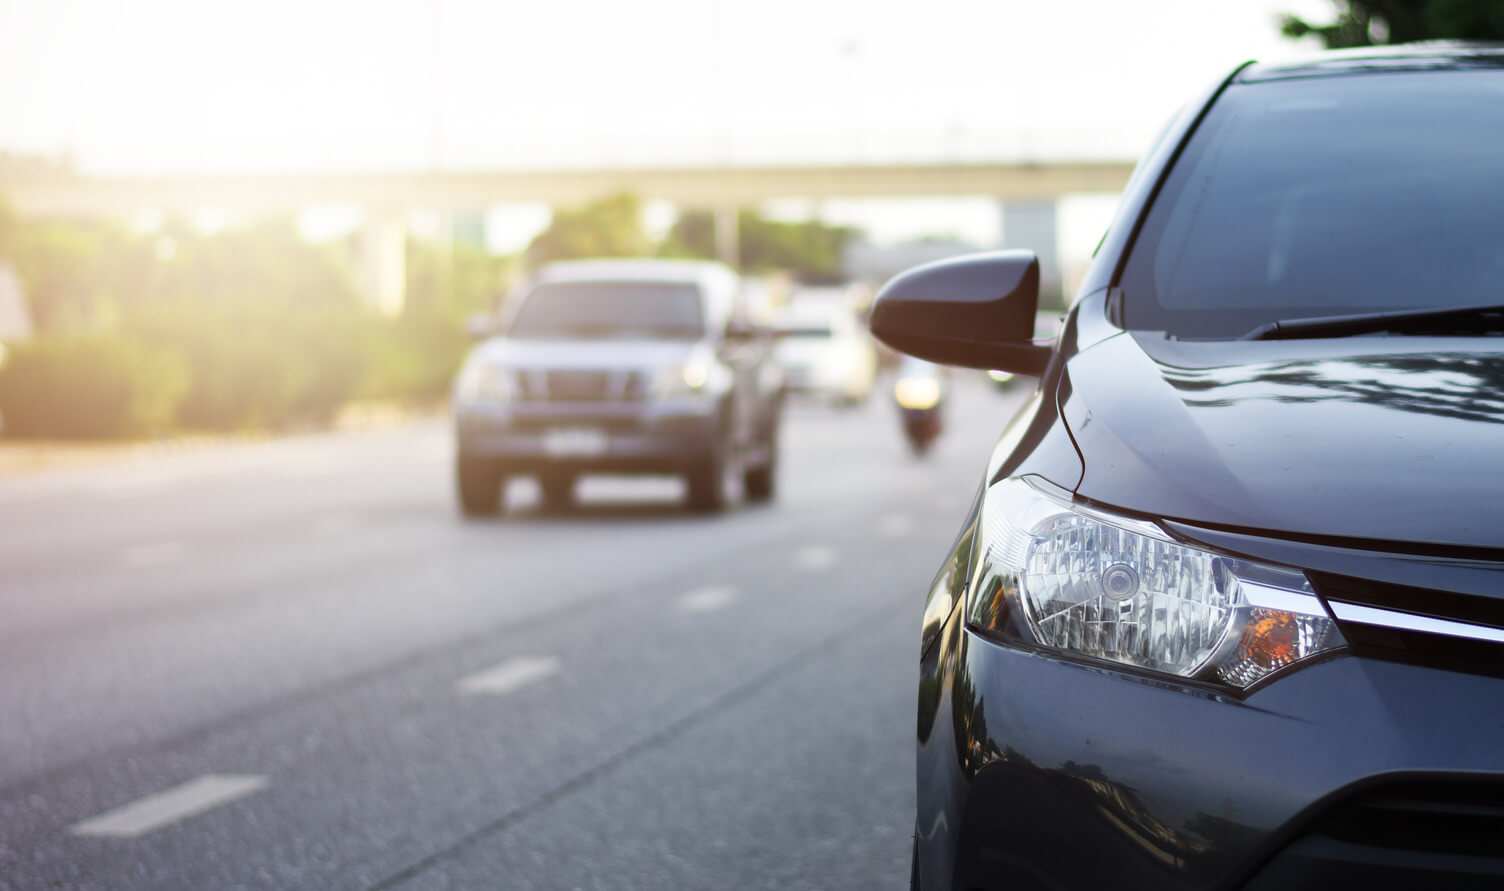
[
  {"x": 383, "y": 262},
  {"x": 1033, "y": 225},
  {"x": 727, "y": 235}
]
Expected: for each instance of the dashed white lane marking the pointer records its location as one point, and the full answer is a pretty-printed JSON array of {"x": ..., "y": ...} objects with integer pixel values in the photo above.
[
  {"x": 158, "y": 553},
  {"x": 815, "y": 557},
  {"x": 896, "y": 525},
  {"x": 706, "y": 600},
  {"x": 509, "y": 675},
  {"x": 180, "y": 802}
]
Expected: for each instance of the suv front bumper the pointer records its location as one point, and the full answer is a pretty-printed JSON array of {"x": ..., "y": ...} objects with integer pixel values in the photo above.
[{"x": 637, "y": 438}]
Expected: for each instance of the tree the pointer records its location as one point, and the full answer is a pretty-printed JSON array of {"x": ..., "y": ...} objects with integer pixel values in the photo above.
[
  {"x": 610, "y": 227},
  {"x": 812, "y": 251},
  {"x": 1374, "y": 22}
]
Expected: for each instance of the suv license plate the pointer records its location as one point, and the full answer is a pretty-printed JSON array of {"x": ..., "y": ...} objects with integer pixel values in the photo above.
[{"x": 574, "y": 442}]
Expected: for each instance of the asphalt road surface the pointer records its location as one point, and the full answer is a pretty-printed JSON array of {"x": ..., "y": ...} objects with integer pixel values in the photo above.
[{"x": 292, "y": 665}]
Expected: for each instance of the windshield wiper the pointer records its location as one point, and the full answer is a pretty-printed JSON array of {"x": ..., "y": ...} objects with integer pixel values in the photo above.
[{"x": 1452, "y": 320}]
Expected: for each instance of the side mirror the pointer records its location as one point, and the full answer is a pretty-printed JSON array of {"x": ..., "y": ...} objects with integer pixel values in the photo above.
[
  {"x": 741, "y": 330},
  {"x": 976, "y": 311},
  {"x": 480, "y": 326}
]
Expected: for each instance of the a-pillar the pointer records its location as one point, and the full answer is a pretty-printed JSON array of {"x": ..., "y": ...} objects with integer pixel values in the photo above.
[
  {"x": 383, "y": 261},
  {"x": 1033, "y": 225}
]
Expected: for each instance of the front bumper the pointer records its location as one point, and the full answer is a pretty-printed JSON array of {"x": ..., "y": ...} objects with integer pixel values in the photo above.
[
  {"x": 636, "y": 438},
  {"x": 1040, "y": 772}
]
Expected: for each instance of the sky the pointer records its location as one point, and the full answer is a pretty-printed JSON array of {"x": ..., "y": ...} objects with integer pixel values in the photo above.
[{"x": 232, "y": 86}]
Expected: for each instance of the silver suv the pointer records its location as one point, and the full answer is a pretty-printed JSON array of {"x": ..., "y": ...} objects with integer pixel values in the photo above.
[{"x": 620, "y": 366}]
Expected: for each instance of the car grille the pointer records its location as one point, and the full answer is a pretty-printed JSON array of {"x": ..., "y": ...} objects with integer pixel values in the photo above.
[
  {"x": 581, "y": 386},
  {"x": 1442, "y": 629},
  {"x": 1441, "y": 833}
]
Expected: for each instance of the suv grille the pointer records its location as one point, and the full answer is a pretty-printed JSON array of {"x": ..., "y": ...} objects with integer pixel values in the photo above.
[{"x": 582, "y": 386}]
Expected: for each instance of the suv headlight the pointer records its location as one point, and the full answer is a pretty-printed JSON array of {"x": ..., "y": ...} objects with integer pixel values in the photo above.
[
  {"x": 485, "y": 382},
  {"x": 1086, "y": 582},
  {"x": 686, "y": 379}
]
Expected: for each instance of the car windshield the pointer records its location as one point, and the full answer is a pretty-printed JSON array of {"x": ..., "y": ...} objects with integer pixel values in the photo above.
[
  {"x": 610, "y": 310},
  {"x": 1327, "y": 196}
]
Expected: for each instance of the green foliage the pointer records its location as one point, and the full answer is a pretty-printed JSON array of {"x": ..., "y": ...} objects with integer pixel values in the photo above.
[
  {"x": 810, "y": 250},
  {"x": 413, "y": 357},
  {"x": 466, "y": 280},
  {"x": 611, "y": 227},
  {"x": 1371, "y": 22},
  {"x": 257, "y": 365},
  {"x": 269, "y": 261},
  {"x": 91, "y": 386},
  {"x": 75, "y": 274}
]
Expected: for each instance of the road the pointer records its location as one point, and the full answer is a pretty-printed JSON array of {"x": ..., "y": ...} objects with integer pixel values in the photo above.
[{"x": 292, "y": 665}]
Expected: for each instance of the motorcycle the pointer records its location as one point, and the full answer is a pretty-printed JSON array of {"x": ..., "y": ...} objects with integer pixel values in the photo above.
[{"x": 919, "y": 392}]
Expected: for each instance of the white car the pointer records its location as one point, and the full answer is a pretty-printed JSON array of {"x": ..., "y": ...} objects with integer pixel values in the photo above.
[{"x": 824, "y": 350}]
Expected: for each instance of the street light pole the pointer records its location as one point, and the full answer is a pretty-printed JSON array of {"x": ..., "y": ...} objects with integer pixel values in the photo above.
[{"x": 727, "y": 233}]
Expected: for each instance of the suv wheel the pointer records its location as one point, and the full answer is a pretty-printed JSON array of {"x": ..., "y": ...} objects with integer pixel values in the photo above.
[
  {"x": 760, "y": 481},
  {"x": 558, "y": 490},
  {"x": 707, "y": 481},
  {"x": 478, "y": 482}
]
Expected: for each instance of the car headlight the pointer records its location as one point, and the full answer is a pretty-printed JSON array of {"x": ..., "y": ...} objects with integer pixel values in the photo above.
[
  {"x": 917, "y": 392},
  {"x": 485, "y": 382},
  {"x": 686, "y": 379},
  {"x": 1082, "y": 581}
]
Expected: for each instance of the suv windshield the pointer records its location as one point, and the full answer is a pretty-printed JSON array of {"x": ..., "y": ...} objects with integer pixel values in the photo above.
[
  {"x": 610, "y": 310},
  {"x": 1327, "y": 196}
]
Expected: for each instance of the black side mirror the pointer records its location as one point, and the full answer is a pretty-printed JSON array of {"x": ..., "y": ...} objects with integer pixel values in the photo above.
[
  {"x": 739, "y": 330},
  {"x": 976, "y": 311},
  {"x": 481, "y": 326}
]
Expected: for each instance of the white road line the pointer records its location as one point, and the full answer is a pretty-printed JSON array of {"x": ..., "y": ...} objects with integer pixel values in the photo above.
[
  {"x": 180, "y": 802},
  {"x": 815, "y": 557},
  {"x": 706, "y": 600},
  {"x": 159, "y": 553},
  {"x": 509, "y": 675},
  {"x": 896, "y": 525}
]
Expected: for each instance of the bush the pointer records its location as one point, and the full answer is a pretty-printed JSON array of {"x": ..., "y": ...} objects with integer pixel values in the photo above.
[
  {"x": 414, "y": 357},
  {"x": 259, "y": 365},
  {"x": 89, "y": 387}
]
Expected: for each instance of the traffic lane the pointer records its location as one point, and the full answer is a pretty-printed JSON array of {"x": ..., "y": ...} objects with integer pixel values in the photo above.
[
  {"x": 386, "y": 774},
  {"x": 171, "y": 647},
  {"x": 221, "y": 487},
  {"x": 804, "y": 781},
  {"x": 910, "y": 483},
  {"x": 88, "y": 543}
]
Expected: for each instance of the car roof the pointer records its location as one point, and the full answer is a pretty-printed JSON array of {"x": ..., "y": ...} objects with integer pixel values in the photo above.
[
  {"x": 1428, "y": 56},
  {"x": 687, "y": 271},
  {"x": 717, "y": 283}
]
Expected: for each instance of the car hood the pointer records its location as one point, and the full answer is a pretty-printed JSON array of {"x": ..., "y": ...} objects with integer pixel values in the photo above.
[
  {"x": 592, "y": 355},
  {"x": 1396, "y": 439}
]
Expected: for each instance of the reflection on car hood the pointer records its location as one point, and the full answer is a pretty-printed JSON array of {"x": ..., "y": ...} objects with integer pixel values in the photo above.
[
  {"x": 1384, "y": 438},
  {"x": 601, "y": 355}
]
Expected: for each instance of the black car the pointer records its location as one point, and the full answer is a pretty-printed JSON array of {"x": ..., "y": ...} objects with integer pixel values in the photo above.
[{"x": 1228, "y": 609}]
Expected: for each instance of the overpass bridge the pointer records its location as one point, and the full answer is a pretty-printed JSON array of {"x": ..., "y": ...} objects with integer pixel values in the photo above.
[{"x": 1027, "y": 191}]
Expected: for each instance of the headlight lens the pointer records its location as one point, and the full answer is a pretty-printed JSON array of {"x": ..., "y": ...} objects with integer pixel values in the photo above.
[
  {"x": 1118, "y": 589},
  {"x": 917, "y": 392},
  {"x": 687, "y": 379},
  {"x": 485, "y": 382}
]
